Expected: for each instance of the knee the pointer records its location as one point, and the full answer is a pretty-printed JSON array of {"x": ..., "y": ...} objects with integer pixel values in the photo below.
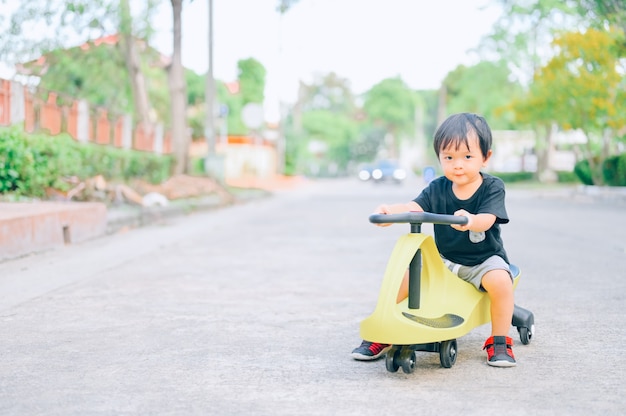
[{"x": 497, "y": 282}]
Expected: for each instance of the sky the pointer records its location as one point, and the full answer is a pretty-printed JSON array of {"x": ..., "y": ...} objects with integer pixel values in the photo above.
[{"x": 363, "y": 41}]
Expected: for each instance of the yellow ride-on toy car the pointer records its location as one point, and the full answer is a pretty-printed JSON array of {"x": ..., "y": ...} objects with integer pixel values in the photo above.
[{"x": 440, "y": 306}]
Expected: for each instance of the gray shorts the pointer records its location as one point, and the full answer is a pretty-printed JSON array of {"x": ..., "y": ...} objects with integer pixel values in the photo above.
[{"x": 474, "y": 274}]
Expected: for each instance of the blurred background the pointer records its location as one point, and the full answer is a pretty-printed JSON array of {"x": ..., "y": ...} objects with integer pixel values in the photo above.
[{"x": 247, "y": 90}]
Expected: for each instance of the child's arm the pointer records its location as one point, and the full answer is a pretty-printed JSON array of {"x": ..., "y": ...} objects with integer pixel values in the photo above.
[
  {"x": 397, "y": 209},
  {"x": 476, "y": 222}
]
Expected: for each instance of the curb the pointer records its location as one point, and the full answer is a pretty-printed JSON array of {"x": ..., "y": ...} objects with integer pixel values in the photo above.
[
  {"x": 605, "y": 193},
  {"x": 122, "y": 217}
]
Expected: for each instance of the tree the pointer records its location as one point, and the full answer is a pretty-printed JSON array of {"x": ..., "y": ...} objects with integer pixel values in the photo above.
[
  {"x": 391, "y": 104},
  {"x": 92, "y": 72},
  {"x": 327, "y": 92},
  {"x": 250, "y": 89},
  {"x": 285, "y": 5},
  {"x": 66, "y": 21},
  {"x": 251, "y": 76},
  {"x": 335, "y": 131},
  {"x": 76, "y": 22},
  {"x": 324, "y": 125},
  {"x": 133, "y": 65},
  {"x": 582, "y": 87},
  {"x": 484, "y": 88},
  {"x": 81, "y": 19},
  {"x": 537, "y": 108},
  {"x": 59, "y": 24},
  {"x": 178, "y": 99},
  {"x": 522, "y": 35},
  {"x": 612, "y": 12}
]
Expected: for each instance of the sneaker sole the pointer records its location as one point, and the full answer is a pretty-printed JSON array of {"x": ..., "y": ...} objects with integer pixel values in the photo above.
[
  {"x": 502, "y": 364},
  {"x": 362, "y": 357}
]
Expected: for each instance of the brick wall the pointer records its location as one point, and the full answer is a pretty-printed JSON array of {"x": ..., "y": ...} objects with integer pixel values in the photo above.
[{"x": 41, "y": 111}]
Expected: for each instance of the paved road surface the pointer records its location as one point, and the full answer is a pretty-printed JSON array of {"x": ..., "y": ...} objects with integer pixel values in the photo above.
[{"x": 253, "y": 310}]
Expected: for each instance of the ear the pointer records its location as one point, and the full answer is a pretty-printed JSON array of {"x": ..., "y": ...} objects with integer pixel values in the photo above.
[{"x": 486, "y": 158}]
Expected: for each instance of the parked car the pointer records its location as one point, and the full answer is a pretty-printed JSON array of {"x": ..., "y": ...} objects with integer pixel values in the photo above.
[
  {"x": 365, "y": 172},
  {"x": 383, "y": 171}
]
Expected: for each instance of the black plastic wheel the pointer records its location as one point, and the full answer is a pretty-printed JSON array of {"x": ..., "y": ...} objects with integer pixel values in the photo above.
[
  {"x": 391, "y": 361},
  {"x": 407, "y": 361},
  {"x": 447, "y": 353},
  {"x": 525, "y": 334}
]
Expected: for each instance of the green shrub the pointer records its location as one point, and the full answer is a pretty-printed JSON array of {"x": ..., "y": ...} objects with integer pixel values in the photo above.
[
  {"x": 614, "y": 170},
  {"x": 16, "y": 163},
  {"x": 31, "y": 163},
  {"x": 510, "y": 177},
  {"x": 583, "y": 172},
  {"x": 196, "y": 166},
  {"x": 567, "y": 177}
]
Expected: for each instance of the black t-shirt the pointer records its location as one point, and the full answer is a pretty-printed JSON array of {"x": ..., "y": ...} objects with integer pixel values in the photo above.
[{"x": 466, "y": 247}]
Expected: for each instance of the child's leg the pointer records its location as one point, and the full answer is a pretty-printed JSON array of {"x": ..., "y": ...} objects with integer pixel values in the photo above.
[
  {"x": 403, "y": 293},
  {"x": 499, "y": 346},
  {"x": 499, "y": 288}
]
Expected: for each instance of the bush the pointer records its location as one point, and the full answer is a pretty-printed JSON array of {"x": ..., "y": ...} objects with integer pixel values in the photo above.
[
  {"x": 196, "y": 166},
  {"x": 583, "y": 172},
  {"x": 510, "y": 177},
  {"x": 16, "y": 163},
  {"x": 31, "y": 163},
  {"x": 567, "y": 177},
  {"x": 614, "y": 170}
]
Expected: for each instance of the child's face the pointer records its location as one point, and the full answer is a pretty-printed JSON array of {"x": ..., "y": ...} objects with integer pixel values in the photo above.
[{"x": 462, "y": 166}]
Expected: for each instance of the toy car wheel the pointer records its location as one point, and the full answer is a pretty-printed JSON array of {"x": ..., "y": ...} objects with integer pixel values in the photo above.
[
  {"x": 407, "y": 361},
  {"x": 447, "y": 353},
  {"x": 526, "y": 334},
  {"x": 391, "y": 359}
]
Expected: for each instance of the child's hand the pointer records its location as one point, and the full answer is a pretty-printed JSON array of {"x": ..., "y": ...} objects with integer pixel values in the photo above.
[
  {"x": 396, "y": 209},
  {"x": 383, "y": 209},
  {"x": 466, "y": 227}
]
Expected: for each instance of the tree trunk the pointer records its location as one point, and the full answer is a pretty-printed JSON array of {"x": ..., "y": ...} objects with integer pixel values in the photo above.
[
  {"x": 544, "y": 149},
  {"x": 177, "y": 84},
  {"x": 595, "y": 162},
  {"x": 442, "y": 104},
  {"x": 392, "y": 143},
  {"x": 133, "y": 65}
]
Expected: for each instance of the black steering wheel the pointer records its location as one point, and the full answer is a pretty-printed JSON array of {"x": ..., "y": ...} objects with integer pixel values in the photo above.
[{"x": 417, "y": 217}]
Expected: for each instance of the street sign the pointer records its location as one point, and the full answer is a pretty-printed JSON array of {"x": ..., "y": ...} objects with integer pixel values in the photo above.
[{"x": 252, "y": 115}]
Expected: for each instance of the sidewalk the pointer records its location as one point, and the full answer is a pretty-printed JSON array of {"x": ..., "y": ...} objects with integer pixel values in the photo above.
[
  {"x": 27, "y": 227},
  {"x": 581, "y": 193},
  {"x": 31, "y": 227},
  {"x": 124, "y": 216}
]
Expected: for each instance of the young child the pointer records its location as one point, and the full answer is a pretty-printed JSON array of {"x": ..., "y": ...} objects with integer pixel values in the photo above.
[{"x": 474, "y": 251}]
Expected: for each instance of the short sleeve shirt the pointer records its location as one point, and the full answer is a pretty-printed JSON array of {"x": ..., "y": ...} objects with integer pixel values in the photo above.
[{"x": 467, "y": 247}]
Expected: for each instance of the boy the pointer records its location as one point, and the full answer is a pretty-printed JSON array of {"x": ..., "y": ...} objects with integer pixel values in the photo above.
[{"x": 474, "y": 251}]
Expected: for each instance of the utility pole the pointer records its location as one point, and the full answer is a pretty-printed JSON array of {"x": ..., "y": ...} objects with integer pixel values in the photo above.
[
  {"x": 209, "y": 128},
  {"x": 214, "y": 163}
]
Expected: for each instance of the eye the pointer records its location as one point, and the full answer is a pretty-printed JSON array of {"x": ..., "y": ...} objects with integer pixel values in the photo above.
[{"x": 468, "y": 156}]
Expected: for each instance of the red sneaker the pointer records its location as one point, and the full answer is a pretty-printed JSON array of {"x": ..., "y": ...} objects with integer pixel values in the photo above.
[
  {"x": 499, "y": 351},
  {"x": 369, "y": 351}
]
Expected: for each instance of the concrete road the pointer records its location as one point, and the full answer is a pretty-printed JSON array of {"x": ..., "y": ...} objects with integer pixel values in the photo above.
[{"x": 254, "y": 309}]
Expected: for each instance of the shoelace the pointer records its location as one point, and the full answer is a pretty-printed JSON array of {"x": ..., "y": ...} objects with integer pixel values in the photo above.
[{"x": 376, "y": 348}]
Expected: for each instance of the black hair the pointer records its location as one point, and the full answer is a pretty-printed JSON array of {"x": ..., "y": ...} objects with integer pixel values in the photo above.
[{"x": 454, "y": 130}]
